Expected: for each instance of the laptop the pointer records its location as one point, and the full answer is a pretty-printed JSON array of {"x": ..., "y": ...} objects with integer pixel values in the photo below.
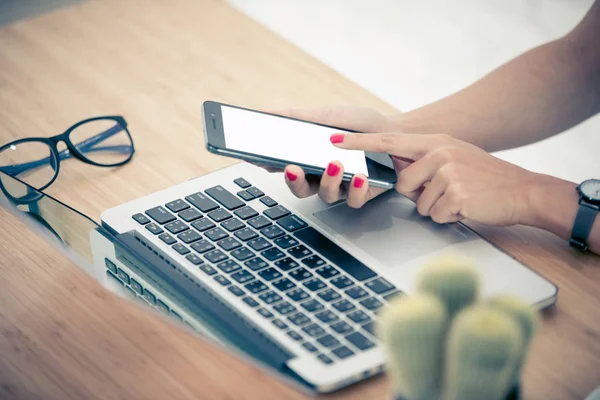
[{"x": 308, "y": 277}]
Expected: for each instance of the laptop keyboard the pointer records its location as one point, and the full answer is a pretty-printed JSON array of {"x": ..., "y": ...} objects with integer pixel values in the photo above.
[{"x": 282, "y": 268}]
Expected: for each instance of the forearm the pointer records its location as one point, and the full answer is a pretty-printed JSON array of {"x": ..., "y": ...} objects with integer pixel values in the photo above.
[
  {"x": 538, "y": 94},
  {"x": 553, "y": 204}
]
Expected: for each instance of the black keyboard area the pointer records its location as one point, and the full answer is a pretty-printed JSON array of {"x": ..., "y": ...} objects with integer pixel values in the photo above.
[{"x": 282, "y": 268}]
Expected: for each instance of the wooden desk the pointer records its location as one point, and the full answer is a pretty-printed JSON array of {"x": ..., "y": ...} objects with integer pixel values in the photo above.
[{"x": 155, "y": 62}]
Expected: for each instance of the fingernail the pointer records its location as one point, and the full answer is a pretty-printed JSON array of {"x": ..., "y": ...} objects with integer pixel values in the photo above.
[
  {"x": 290, "y": 176},
  {"x": 358, "y": 182},
  {"x": 332, "y": 169},
  {"x": 337, "y": 137}
]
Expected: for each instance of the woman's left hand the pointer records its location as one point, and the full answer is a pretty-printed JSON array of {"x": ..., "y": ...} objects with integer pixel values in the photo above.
[{"x": 451, "y": 180}]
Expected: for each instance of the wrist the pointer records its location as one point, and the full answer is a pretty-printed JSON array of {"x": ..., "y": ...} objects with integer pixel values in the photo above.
[{"x": 552, "y": 205}]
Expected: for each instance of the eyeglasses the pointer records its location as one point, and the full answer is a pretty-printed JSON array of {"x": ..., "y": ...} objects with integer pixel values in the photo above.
[{"x": 100, "y": 141}]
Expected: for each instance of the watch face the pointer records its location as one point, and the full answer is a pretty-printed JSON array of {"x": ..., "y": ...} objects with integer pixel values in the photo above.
[{"x": 591, "y": 189}]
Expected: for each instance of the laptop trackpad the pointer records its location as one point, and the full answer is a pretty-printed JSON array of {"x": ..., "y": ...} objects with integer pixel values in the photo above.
[{"x": 390, "y": 229}]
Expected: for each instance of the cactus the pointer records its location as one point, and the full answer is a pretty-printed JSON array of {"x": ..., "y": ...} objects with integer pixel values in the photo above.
[
  {"x": 482, "y": 351},
  {"x": 413, "y": 331}
]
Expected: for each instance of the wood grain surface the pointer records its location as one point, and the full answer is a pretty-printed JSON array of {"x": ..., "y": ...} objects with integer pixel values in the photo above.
[{"x": 154, "y": 62}]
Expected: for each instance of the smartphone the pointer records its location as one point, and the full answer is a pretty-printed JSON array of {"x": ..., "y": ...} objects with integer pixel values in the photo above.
[{"x": 276, "y": 141}]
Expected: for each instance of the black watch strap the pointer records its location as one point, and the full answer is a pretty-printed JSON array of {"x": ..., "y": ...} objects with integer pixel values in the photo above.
[{"x": 583, "y": 225}]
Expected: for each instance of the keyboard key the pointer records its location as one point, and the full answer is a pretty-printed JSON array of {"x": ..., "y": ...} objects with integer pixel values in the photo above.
[
  {"x": 310, "y": 347},
  {"x": 256, "y": 287},
  {"x": 149, "y": 297},
  {"x": 342, "y": 352},
  {"x": 222, "y": 280},
  {"x": 162, "y": 307},
  {"x": 219, "y": 215},
  {"x": 250, "y": 301},
  {"x": 228, "y": 266},
  {"x": 229, "y": 244},
  {"x": 314, "y": 284},
  {"x": 299, "y": 251},
  {"x": 291, "y": 223},
  {"x": 189, "y": 215},
  {"x": 123, "y": 276},
  {"x": 344, "y": 306},
  {"x": 286, "y": 242},
  {"x": 202, "y": 202},
  {"x": 224, "y": 197},
  {"x": 176, "y": 316},
  {"x": 246, "y": 212},
  {"x": 299, "y": 319},
  {"x": 269, "y": 274},
  {"x": 359, "y": 317},
  {"x": 245, "y": 234},
  {"x": 312, "y": 305},
  {"x": 177, "y": 205},
  {"x": 329, "y": 295},
  {"x": 194, "y": 259},
  {"x": 327, "y": 316},
  {"x": 189, "y": 236},
  {"x": 356, "y": 292},
  {"x": 335, "y": 254},
  {"x": 207, "y": 269},
  {"x": 245, "y": 195},
  {"x": 267, "y": 201},
  {"x": 140, "y": 219},
  {"x": 295, "y": 336},
  {"x": 216, "y": 234},
  {"x": 259, "y": 244},
  {"x": 256, "y": 263},
  {"x": 110, "y": 265},
  {"x": 242, "y": 254},
  {"x": 313, "y": 261},
  {"x": 391, "y": 296},
  {"x": 215, "y": 256},
  {"x": 328, "y": 341},
  {"x": 297, "y": 294},
  {"x": 241, "y": 182},
  {"x": 284, "y": 308},
  {"x": 341, "y": 282},
  {"x": 258, "y": 222},
  {"x": 371, "y": 303},
  {"x": 284, "y": 284},
  {"x": 136, "y": 286},
  {"x": 276, "y": 212},
  {"x": 154, "y": 228},
  {"x": 272, "y": 254},
  {"x": 379, "y": 286},
  {"x": 341, "y": 327},
  {"x": 359, "y": 341},
  {"x": 300, "y": 274},
  {"x": 286, "y": 264},
  {"x": 279, "y": 323},
  {"x": 272, "y": 232},
  {"x": 256, "y": 192},
  {"x": 160, "y": 215},
  {"x": 324, "y": 359},
  {"x": 236, "y": 290},
  {"x": 327, "y": 271},
  {"x": 176, "y": 226},
  {"x": 168, "y": 239},
  {"x": 181, "y": 249},
  {"x": 203, "y": 224},
  {"x": 265, "y": 313},
  {"x": 270, "y": 297},
  {"x": 242, "y": 276},
  {"x": 233, "y": 224},
  {"x": 203, "y": 246}
]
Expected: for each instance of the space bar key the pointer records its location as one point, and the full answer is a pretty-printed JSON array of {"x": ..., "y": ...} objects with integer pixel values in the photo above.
[{"x": 335, "y": 254}]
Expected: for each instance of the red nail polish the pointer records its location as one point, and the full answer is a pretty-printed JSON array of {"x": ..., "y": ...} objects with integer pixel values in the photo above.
[
  {"x": 290, "y": 176},
  {"x": 337, "y": 138},
  {"x": 358, "y": 182},
  {"x": 332, "y": 169}
]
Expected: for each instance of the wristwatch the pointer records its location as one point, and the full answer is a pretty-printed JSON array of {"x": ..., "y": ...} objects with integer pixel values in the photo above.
[{"x": 589, "y": 206}]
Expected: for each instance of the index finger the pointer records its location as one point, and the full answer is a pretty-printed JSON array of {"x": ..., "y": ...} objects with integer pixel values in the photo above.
[{"x": 405, "y": 145}]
